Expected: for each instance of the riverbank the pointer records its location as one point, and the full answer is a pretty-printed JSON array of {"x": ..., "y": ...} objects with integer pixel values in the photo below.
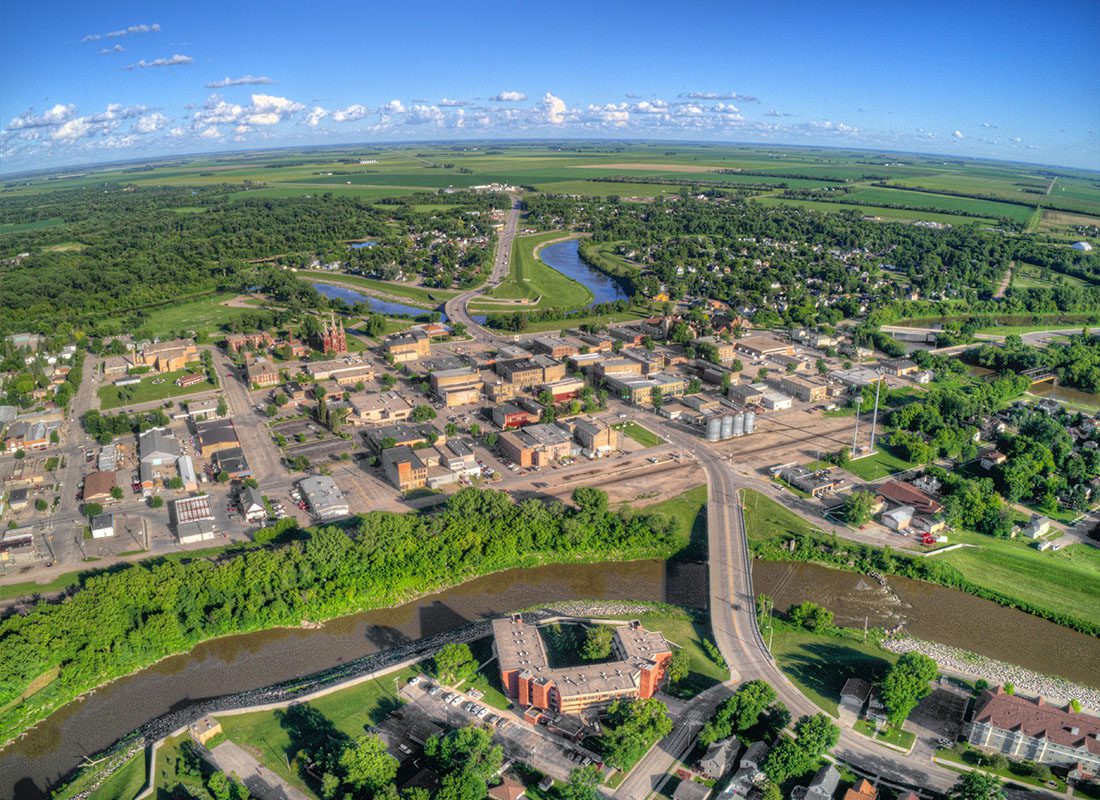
[
  {"x": 343, "y": 697},
  {"x": 974, "y": 665}
]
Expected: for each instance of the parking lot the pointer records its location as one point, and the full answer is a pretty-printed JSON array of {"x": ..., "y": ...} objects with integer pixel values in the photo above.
[{"x": 550, "y": 754}]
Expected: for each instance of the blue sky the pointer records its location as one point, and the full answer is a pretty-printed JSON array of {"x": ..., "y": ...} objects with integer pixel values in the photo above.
[{"x": 83, "y": 82}]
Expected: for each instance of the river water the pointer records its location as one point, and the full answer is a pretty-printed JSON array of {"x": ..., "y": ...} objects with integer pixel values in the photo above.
[
  {"x": 248, "y": 661},
  {"x": 565, "y": 257},
  {"x": 377, "y": 304}
]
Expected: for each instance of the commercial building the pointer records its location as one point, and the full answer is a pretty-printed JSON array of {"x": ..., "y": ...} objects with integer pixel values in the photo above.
[
  {"x": 456, "y": 387},
  {"x": 536, "y": 445},
  {"x": 1035, "y": 730},
  {"x": 813, "y": 482},
  {"x": 232, "y": 462},
  {"x": 908, "y": 495},
  {"x": 324, "y": 497},
  {"x": 261, "y": 373},
  {"x": 760, "y": 346},
  {"x": 510, "y": 415},
  {"x": 899, "y": 366},
  {"x": 216, "y": 435},
  {"x": 397, "y": 435},
  {"x": 640, "y": 660},
  {"x": 565, "y": 389},
  {"x": 345, "y": 371},
  {"x": 186, "y": 468},
  {"x": 808, "y": 390},
  {"x": 410, "y": 346},
  {"x": 157, "y": 447},
  {"x": 193, "y": 518},
  {"x": 203, "y": 409},
  {"x": 554, "y": 347},
  {"x": 595, "y": 437},
  {"x": 726, "y": 351},
  {"x": 378, "y": 408},
  {"x": 639, "y": 391},
  {"x": 524, "y": 372},
  {"x": 404, "y": 468},
  {"x": 745, "y": 394},
  {"x": 98, "y": 486},
  {"x": 102, "y": 526}
]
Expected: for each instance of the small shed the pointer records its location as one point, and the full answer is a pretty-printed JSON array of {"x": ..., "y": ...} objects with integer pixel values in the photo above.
[{"x": 204, "y": 729}]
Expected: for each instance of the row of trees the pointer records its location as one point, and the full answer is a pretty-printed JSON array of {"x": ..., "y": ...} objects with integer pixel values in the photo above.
[{"x": 127, "y": 618}]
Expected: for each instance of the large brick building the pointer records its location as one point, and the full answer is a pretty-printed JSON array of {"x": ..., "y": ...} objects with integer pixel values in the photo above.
[
  {"x": 1036, "y": 730},
  {"x": 167, "y": 356},
  {"x": 640, "y": 658}
]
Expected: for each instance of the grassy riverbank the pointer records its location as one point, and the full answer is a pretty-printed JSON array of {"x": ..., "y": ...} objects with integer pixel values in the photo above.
[
  {"x": 1063, "y": 586},
  {"x": 530, "y": 277},
  {"x": 387, "y": 559}
]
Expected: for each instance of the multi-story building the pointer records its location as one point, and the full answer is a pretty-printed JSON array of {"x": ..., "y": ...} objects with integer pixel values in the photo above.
[
  {"x": 404, "y": 468},
  {"x": 216, "y": 435},
  {"x": 639, "y": 391},
  {"x": 553, "y": 347},
  {"x": 345, "y": 371},
  {"x": 456, "y": 387},
  {"x": 509, "y": 415},
  {"x": 167, "y": 356},
  {"x": 536, "y": 445},
  {"x": 640, "y": 658},
  {"x": 262, "y": 372},
  {"x": 378, "y": 408},
  {"x": 595, "y": 436},
  {"x": 808, "y": 390},
  {"x": 260, "y": 340},
  {"x": 411, "y": 346},
  {"x": 332, "y": 338},
  {"x": 525, "y": 372},
  {"x": 726, "y": 351},
  {"x": 1035, "y": 730}
]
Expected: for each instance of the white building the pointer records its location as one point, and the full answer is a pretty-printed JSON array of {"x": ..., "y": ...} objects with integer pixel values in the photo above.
[
  {"x": 324, "y": 497},
  {"x": 1083, "y": 246},
  {"x": 103, "y": 526},
  {"x": 899, "y": 519}
]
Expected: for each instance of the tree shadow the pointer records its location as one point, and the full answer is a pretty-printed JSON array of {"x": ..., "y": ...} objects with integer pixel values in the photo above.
[
  {"x": 437, "y": 617},
  {"x": 385, "y": 637},
  {"x": 824, "y": 666},
  {"x": 315, "y": 743}
]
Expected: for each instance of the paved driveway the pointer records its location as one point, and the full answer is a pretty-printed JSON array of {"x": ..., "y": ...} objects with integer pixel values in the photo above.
[{"x": 260, "y": 781}]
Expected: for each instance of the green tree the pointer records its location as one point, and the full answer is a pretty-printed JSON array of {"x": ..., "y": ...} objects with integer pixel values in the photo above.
[
  {"x": 41, "y": 505},
  {"x": 812, "y": 617},
  {"x": 223, "y": 406},
  {"x": 590, "y": 500},
  {"x": 857, "y": 508},
  {"x": 92, "y": 509},
  {"x": 454, "y": 663},
  {"x": 423, "y": 413},
  {"x": 367, "y": 765},
  {"x": 679, "y": 666},
  {"x": 583, "y": 783},
  {"x": 470, "y": 750},
  {"x": 597, "y": 643},
  {"x": 906, "y": 683},
  {"x": 116, "y": 492},
  {"x": 656, "y": 396},
  {"x": 977, "y": 786},
  {"x": 632, "y": 728},
  {"x": 156, "y": 501}
]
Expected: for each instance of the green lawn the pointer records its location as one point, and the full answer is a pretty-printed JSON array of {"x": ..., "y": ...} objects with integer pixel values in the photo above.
[
  {"x": 643, "y": 436},
  {"x": 889, "y": 214},
  {"x": 819, "y": 665},
  {"x": 541, "y": 326},
  {"x": 689, "y": 512},
  {"x": 268, "y": 734},
  {"x": 1067, "y": 581},
  {"x": 530, "y": 277},
  {"x": 112, "y": 396},
  {"x": 27, "y": 588},
  {"x": 1029, "y": 276},
  {"x": 24, "y": 227},
  {"x": 127, "y": 782},
  {"x": 204, "y": 316},
  {"x": 765, "y": 519},
  {"x": 879, "y": 465},
  {"x": 893, "y": 736},
  {"x": 1012, "y": 773}
]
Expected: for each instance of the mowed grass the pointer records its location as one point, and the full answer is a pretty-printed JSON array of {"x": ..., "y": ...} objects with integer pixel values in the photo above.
[
  {"x": 429, "y": 298},
  {"x": 765, "y": 519},
  {"x": 24, "y": 227},
  {"x": 642, "y": 435},
  {"x": 351, "y": 711},
  {"x": 688, "y": 511},
  {"x": 1066, "y": 582},
  {"x": 530, "y": 277},
  {"x": 887, "y": 214},
  {"x": 127, "y": 781},
  {"x": 1030, "y": 276},
  {"x": 279, "y": 191},
  {"x": 560, "y": 324},
  {"x": 879, "y": 465},
  {"x": 147, "y": 391},
  {"x": 204, "y": 316}
]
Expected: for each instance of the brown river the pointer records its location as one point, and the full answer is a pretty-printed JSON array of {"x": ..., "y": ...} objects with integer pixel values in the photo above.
[{"x": 249, "y": 661}]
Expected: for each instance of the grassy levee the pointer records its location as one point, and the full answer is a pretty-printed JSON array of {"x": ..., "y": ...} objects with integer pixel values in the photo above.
[
  {"x": 416, "y": 295},
  {"x": 531, "y": 278},
  {"x": 1063, "y": 586}
]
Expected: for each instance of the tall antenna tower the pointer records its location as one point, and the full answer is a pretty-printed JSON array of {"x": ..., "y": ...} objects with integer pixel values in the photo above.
[{"x": 874, "y": 417}]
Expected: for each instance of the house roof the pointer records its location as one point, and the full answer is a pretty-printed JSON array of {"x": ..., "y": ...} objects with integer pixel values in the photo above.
[
  {"x": 856, "y": 687},
  {"x": 1039, "y": 719},
  {"x": 863, "y": 790},
  {"x": 507, "y": 789},
  {"x": 690, "y": 790},
  {"x": 97, "y": 484}
]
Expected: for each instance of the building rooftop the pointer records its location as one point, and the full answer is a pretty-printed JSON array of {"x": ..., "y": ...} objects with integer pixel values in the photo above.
[{"x": 1039, "y": 719}]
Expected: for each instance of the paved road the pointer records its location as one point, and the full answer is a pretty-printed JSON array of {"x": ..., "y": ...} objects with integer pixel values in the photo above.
[{"x": 456, "y": 306}]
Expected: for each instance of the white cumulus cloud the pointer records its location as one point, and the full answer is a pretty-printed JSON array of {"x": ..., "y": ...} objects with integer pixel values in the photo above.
[
  {"x": 150, "y": 123},
  {"x": 509, "y": 97},
  {"x": 354, "y": 112},
  {"x": 169, "y": 61},
  {"x": 554, "y": 108},
  {"x": 54, "y": 116},
  {"x": 244, "y": 80},
  {"x": 314, "y": 117},
  {"x": 95, "y": 37},
  {"x": 110, "y": 51},
  {"x": 958, "y": 135}
]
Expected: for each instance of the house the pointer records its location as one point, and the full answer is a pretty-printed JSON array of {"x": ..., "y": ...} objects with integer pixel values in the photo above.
[
  {"x": 898, "y": 518},
  {"x": 929, "y": 484},
  {"x": 907, "y": 494},
  {"x": 1037, "y": 526},
  {"x": 252, "y": 505},
  {"x": 216, "y": 435},
  {"x": 922, "y": 377},
  {"x": 748, "y": 773},
  {"x": 404, "y": 468},
  {"x": 691, "y": 790},
  {"x": 324, "y": 497},
  {"x": 98, "y": 486},
  {"x": 821, "y": 787},
  {"x": 1034, "y": 730},
  {"x": 992, "y": 458},
  {"x": 262, "y": 372},
  {"x": 102, "y": 526},
  {"x": 507, "y": 789},
  {"x": 157, "y": 447},
  {"x": 863, "y": 790},
  {"x": 854, "y": 695},
  {"x": 720, "y": 756}
]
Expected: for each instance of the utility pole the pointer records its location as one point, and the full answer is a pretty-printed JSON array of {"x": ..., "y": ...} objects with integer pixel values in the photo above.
[
  {"x": 855, "y": 434},
  {"x": 874, "y": 416}
]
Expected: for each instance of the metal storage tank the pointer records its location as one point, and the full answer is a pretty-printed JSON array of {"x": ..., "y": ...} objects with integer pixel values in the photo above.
[
  {"x": 750, "y": 421},
  {"x": 727, "y": 426},
  {"x": 738, "y": 424},
  {"x": 714, "y": 429}
]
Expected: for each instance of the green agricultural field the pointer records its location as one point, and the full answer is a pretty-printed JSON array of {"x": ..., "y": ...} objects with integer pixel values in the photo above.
[
  {"x": 284, "y": 190},
  {"x": 530, "y": 277},
  {"x": 112, "y": 396},
  {"x": 24, "y": 227},
  {"x": 1030, "y": 276},
  {"x": 875, "y": 195},
  {"x": 887, "y": 214}
]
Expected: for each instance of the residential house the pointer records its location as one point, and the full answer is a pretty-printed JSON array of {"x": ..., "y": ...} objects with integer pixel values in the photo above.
[
  {"x": 507, "y": 789},
  {"x": 749, "y": 772},
  {"x": 720, "y": 756},
  {"x": 821, "y": 787},
  {"x": 863, "y": 790},
  {"x": 252, "y": 505},
  {"x": 1037, "y": 526},
  {"x": 854, "y": 695},
  {"x": 688, "y": 789}
]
